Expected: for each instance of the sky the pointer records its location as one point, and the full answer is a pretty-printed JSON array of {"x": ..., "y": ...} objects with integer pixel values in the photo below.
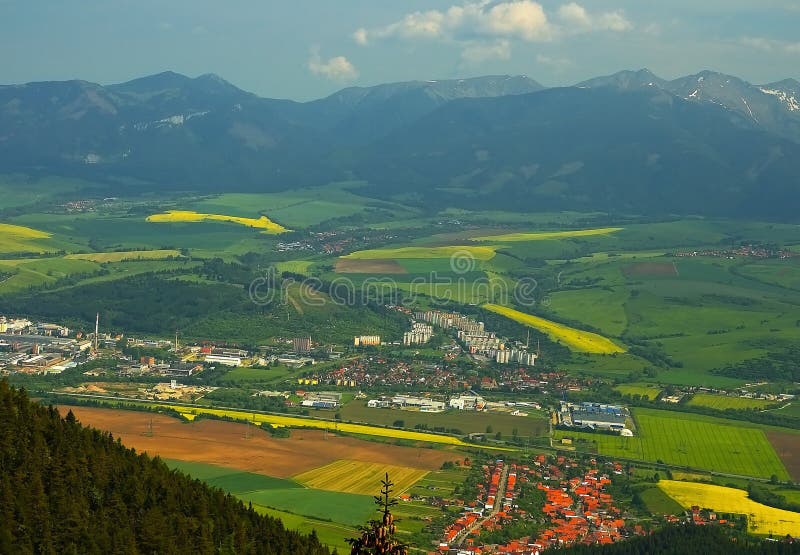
[{"x": 304, "y": 49}]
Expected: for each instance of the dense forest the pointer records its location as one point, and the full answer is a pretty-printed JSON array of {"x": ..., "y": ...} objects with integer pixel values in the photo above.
[
  {"x": 159, "y": 304},
  {"x": 777, "y": 365},
  {"x": 688, "y": 540},
  {"x": 67, "y": 489}
]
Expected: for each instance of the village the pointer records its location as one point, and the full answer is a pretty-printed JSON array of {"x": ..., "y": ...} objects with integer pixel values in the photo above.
[{"x": 565, "y": 501}]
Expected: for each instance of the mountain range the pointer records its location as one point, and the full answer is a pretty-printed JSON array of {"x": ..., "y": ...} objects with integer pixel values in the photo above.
[{"x": 630, "y": 142}]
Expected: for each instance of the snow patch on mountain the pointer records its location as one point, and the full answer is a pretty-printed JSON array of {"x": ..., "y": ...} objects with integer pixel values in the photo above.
[
  {"x": 786, "y": 99},
  {"x": 171, "y": 121}
]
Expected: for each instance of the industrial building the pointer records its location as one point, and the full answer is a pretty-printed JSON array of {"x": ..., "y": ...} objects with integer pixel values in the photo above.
[{"x": 595, "y": 416}]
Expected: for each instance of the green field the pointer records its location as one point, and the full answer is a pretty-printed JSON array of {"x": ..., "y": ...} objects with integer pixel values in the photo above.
[
  {"x": 468, "y": 422},
  {"x": 234, "y": 481},
  {"x": 329, "y": 533},
  {"x": 301, "y": 208},
  {"x": 248, "y": 486},
  {"x": 723, "y": 402},
  {"x": 646, "y": 391},
  {"x": 696, "y": 441},
  {"x": 603, "y": 309},
  {"x": 467, "y": 252},
  {"x": 439, "y": 483},
  {"x": 659, "y": 503},
  {"x": 547, "y": 235},
  {"x": 343, "y": 508},
  {"x": 251, "y": 376}
]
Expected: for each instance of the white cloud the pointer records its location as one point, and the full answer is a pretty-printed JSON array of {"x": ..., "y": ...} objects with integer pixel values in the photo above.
[
  {"x": 770, "y": 45},
  {"x": 523, "y": 19},
  {"x": 577, "y": 19},
  {"x": 361, "y": 36},
  {"x": 337, "y": 68},
  {"x": 653, "y": 29},
  {"x": 576, "y": 15},
  {"x": 485, "y": 29},
  {"x": 479, "y": 52},
  {"x": 792, "y": 47},
  {"x": 613, "y": 21},
  {"x": 758, "y": 43}
]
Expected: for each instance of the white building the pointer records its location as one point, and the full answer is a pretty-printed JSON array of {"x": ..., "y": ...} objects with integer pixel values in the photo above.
[
  {"x": 468, "y": 402},
  {"x": 224, "y": 360}
]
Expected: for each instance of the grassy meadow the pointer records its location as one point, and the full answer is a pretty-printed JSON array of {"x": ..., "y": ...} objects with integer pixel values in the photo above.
[
  {"x": 723, "y": 402},
  {"x": 696, "y": 441}
]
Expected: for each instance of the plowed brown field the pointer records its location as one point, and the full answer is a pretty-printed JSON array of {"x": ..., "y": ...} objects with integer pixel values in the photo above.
[
  {"x": 249, "y": 449},
  {"x": 787, "y": 446}
]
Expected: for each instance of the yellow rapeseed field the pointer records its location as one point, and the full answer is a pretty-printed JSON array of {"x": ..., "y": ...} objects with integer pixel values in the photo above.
[
  {"x": 476, "y": 252},
  {"x": 298, "y": 422},
  {"x": 172, "y": 216},
  {"x": 17, "y": 238},
  {"x": 544, "y": 235},
  {"x": 761, "y": 519},
  {"x": 358, "y": 477},
  {"x": 577, "y": 340},
  {"x": 124, "y": 255}
]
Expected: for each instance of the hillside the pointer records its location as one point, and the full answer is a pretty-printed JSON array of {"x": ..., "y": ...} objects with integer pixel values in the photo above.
[
  {"x": 69, "y": 489},
  {"x": 620, "y": 151},
  {"x": 625, "y": 143}
]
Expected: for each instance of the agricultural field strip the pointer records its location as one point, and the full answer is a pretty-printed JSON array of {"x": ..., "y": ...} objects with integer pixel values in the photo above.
[
  {"x": 350, "y": 476},
  {"x": 345, "y": 508},
  {"x": 548, "y": 235},
  {"x": 761, "y": 519},
  {"x": 18, "y": 238},
  {"x": 651, "y": 392},
  {"x": 120, "y": 256},
  {"x": 681, "y": 440},
  {"x": 723, "y": 402},
  {"x": 463, "y": 251},
  {"x": 22, "y": 232},
  {"x": 576, "y": 340},
  {"x": 190, "y": 412},
  {"x": 180, "y": 216}
]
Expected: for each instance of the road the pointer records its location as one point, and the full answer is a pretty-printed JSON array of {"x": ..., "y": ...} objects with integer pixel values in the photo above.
[{"x": 462, "y": 536}]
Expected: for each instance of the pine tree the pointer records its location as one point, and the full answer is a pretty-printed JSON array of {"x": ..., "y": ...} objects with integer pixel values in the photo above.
[{"x": 378, "y": 538}]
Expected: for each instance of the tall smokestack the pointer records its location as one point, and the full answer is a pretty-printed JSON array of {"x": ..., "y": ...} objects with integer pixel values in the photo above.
[{"x": 96, "y": 330}]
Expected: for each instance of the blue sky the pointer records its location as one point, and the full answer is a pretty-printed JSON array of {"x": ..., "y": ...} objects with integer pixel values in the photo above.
[{"x": 305, "y": 49}]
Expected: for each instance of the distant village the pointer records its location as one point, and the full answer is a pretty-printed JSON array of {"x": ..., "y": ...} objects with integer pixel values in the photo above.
[{"x": 743, "y": 251}]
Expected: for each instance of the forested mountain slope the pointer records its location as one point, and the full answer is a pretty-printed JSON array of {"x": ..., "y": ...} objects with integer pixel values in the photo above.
[{"x": 66, "y": 489}]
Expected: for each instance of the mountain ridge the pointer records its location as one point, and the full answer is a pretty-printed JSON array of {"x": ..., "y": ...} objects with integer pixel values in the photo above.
[{"x": 170, "y": 131}]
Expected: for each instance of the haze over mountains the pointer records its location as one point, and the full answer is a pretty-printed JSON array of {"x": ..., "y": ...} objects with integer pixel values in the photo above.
[{"x": 627, "y": 143}]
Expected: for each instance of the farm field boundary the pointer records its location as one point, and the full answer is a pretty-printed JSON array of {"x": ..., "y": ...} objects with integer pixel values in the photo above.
[
  {"x": 761, "y": 519},
  {"x": 577, "y": 340},
  {"x": 182, "y": 216},
  {"x": 548, "y": 235},
  {"x": 359, "y": 477},
  {"x": 688, "y": 441},
  {"x": 191, "y": 412}
]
